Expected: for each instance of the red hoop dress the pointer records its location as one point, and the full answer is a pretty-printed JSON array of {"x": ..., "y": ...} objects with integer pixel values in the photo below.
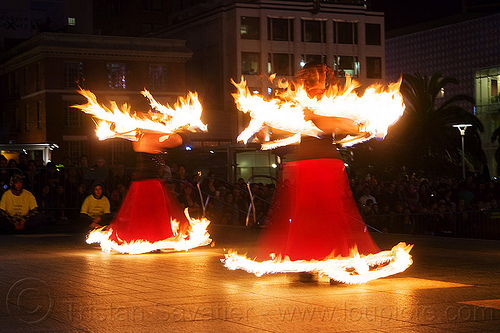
[
  {"x": 314, "y": 215},
  {"x": 147, "y": 209}
]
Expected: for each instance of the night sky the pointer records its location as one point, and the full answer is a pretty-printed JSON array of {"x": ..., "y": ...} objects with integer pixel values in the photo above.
[{"x": 402, "y": 13}]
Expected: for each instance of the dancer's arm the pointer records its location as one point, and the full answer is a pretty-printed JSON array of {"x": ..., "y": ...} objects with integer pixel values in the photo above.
[
  {"x": 337, "y": 125},
  {"x": 156, "y": 142}
]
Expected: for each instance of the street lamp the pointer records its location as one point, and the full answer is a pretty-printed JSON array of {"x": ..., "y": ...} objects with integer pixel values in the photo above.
[{"x": 462, "y": 128}]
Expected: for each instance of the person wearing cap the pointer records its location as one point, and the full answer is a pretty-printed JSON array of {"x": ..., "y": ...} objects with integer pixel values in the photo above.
[
  {"x": 96, "y": 210},
  {"x": 18, "y": 209}
]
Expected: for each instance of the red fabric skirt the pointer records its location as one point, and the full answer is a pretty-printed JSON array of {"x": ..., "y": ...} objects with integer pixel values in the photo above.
[
  {"x": 146, "y": 212},
  {"x": 314, "y": 215}
]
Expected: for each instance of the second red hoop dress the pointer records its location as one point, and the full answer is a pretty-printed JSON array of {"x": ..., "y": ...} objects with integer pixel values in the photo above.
[{"x": 314, "y": 215}]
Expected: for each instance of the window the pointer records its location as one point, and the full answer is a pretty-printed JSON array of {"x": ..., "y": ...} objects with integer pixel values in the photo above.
[
  {"x": 39, "y": 115},
  {"x": 250, "y": 27},
  {"x": 73, "y": 74},
  {"x": 38, "y": 76},
  {"x": 346, "y": 65},
  {"x": 26, "y": 80},
  {"x": 73, "y": 116},
  {"x": 494, "y": 87},
  {"x": 75, "y": 149},
  {"x": 119, "y": 149},
  {"x": 280, "y": 63},
  {"x": 157, "y": 77},
  {"x": 147, "y": 27},
  {"x": 313, "y": 31},
  {"x": 17, "y": 119},
  {"x": 250, "y": 63},
  {"x": 71, "y": 21},
  {"x": 305, "y": 58},
  {"x": 372, "y": 32},
  {"x": 27, "y": 118},
  {"x": 374, "y": 67},
  {"x": 345, "y": 32},
  {"x": 116, "y": 76},
  {"x": 152, "y": 5},
  {"x": 13, "y": 83},
  {"x": 280, "y": 29}
]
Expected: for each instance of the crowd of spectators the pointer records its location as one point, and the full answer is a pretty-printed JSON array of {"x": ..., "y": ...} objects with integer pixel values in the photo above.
[
  {"x": 439, "y": 206},
  {"x": 60, "y": 189}
]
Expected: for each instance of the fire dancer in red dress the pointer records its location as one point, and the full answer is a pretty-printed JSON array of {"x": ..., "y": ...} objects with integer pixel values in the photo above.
[
  {"x": 148, "y": 207},
  {"x": 314, "y": 215}
]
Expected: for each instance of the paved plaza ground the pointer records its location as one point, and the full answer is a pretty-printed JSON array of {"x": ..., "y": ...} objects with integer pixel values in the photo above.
[{"x": 58, "y": 283}]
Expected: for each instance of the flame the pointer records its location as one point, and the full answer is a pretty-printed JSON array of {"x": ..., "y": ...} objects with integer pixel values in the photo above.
[
  {"x": 196, "y": 236},
  {"x": 374, "y": 110},
  {"x": 355, "y": 269},
  {"x": 276, "y": 113},
  {"x": 116, "y": 122}
]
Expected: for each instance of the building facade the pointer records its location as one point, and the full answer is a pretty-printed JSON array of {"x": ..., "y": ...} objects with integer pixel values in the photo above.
[
  {"x": 466, "y": 48},
  {"x": 40, "y": 79},
  {"x": 254, "y": 39}
]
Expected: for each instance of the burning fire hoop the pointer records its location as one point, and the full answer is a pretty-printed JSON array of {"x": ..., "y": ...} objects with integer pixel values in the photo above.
[
  {"x": 355, "y": 269},
  {"x": 116, "y": 122},
  {"x": 196, "y": 236},
  {"x": 374, "y": 111}
]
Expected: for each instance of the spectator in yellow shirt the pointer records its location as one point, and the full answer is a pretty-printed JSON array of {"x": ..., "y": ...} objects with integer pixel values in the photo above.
[
  {"x": 18, "y": 209},
  {"x": 95, "y": 211}
]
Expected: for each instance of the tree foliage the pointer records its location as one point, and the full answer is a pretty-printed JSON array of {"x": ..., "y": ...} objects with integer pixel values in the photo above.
[{"x": 424, "y": 140}]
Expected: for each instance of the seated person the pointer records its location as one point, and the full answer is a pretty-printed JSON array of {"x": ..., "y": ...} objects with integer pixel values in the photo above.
[
  {"x": 18, "y": 209},
  {"x": 95, "y": 211}
]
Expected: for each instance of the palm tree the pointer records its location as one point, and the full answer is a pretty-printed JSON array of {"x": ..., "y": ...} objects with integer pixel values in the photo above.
[
  {"x": 424, "y": 134},
  {"x": 496, "y": 137}
]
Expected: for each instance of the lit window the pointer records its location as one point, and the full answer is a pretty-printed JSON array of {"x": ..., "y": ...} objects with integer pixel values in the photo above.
[
  {"x": 280, "y": 63},
  {"x": 440, "y": 93},
  {"x": 71, "y": 21},
  {"x": 157, "y": 77},
  {"x": 250, "y": 27},
  {"x": 305, "y": 58},
  {"x": 250, "y": 63},
  {"x": 73, "y": 76},
  {"x": 346, "y": 66},
  {"x": 116, "y": 75}
]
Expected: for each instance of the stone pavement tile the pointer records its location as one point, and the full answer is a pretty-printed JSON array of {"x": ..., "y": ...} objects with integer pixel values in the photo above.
[
  {"x": 379, "y": 302},
  {"x": 442, "y": 313},
  {"x": 405, "y": 281},
  {"x": 174, "y": 324},
  {"x": 308, "y": 320},
  {"x": 475, "y": 326},
  {"x": 82, "y": 306},
  {"x": 439, "y": 295},
  {"x": 493, "y": 303},
  {"x": 27, "y": 324},
  {"x": 413, "y": 329},
  {"x": 221, "y": 297}
]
